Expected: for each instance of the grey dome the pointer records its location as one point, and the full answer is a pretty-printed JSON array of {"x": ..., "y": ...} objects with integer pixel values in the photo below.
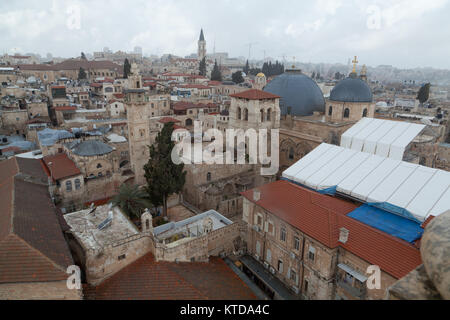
[
  {"x": 351, "y": 90},
  {"x": 297, "y": 91},
  {"x": 89, "y": 148}
]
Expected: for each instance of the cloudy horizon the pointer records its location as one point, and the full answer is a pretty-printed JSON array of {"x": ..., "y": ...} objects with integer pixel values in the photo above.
[{"x": 405, "y": 34}]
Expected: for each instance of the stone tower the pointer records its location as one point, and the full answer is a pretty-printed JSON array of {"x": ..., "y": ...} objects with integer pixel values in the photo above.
[
  {"x": 138, "y": 115},
  {"x": 201, "y": 46}
]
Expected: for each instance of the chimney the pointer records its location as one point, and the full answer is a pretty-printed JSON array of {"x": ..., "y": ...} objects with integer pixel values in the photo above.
[
  {"x": 256, "y": 195},
  {"x": 343, "y": 235}
]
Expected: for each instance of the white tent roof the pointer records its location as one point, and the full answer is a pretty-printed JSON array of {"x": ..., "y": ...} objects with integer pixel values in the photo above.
[
  {"x": 421, "y": 190},
  {"x": 385, "y": 138}
]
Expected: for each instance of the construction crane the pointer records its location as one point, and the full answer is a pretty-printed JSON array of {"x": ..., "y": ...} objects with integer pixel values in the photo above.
[{"x": 250, "y": 45}]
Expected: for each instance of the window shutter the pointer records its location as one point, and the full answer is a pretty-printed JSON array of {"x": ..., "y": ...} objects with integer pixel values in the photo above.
[
  {"x": 289, "y": 273},
  {"x": 266, "y": 226}
]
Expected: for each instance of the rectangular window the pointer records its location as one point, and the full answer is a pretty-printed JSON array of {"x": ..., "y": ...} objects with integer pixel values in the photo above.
[
  {"x": 311, "y": 253},
  {"x": 77, "y": 184},
  {"x": 269, "y": 256},
  {"x": 283, "y": 234},
  {"x": 293, "y": 275},
  {"x": 258, "y": 248},
  {"x": 68, "y": 186},
  {"x": 270, "y": 228},
  {"x": 259, "y": 221},
  {"x": 122, "y": 257},
  {"x": 296, "y": 243}
]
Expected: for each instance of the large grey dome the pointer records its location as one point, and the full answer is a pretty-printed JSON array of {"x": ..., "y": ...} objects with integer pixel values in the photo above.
[
  {"x": 297, "y": 91},
  {"x": 89, "y": 148},
  {"x": 351, "y": 90}
]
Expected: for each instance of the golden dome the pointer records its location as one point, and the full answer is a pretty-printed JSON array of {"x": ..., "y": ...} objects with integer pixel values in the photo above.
[{"x": 261, "y": 75}]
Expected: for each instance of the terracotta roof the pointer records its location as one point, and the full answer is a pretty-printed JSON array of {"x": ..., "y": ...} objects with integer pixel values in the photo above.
[
  {"x": 62, "y": 166},
  {"x": 168, "y": 119},
  {"x": 214, "y": 83},
  {"x": 119, "y": 95},
  {"x": 32, "y": 246},
  {"x": 194, "y": 86},
  {"x": 254, "y": 94},
  {"x": 35, "y": 67},
  {"x": 321, "y": 216},
  {"x": 147, "y": 279}
]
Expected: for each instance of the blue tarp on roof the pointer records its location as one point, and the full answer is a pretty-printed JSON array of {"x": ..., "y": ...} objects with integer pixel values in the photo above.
[{"x": 387, "y": 222}]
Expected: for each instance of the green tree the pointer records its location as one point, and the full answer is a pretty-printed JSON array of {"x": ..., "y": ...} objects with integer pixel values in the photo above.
[
  {"x": 82, "y": 74},
  {"x": 216, "y": 75},
  {"x": 132, "y": 200},
  {"x": 83, "y": 56},
  {"x": 313, "y": 76},
  {"x": 424, "y": 93},
  {"x": 202, "y": 67},
  {"x": 164, "y": 177},
  {"x": 126, "y": 68},
  {"x": 237, "y": 77},
  {"x": 246, "y": 68}
]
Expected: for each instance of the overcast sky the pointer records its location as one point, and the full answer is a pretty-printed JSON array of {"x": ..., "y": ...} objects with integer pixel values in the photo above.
[{"x": 403, "y": 33}]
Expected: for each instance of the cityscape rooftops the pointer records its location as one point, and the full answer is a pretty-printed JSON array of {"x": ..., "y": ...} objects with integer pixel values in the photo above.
[
  {"x": 60, "y": 166},
  {"x": 254, "y": 94}
]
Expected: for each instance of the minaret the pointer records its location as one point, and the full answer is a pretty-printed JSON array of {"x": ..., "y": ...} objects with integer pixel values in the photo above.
[
  {"x": 138, "y": 124},
  {"x": 201, "y": 46}
]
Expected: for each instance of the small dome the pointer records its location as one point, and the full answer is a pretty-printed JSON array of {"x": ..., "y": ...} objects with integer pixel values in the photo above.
[
  {"x": 297, "y": 91},
  {"x": 351, "y": 90},
  {"x": 262, "y": 75},
  {"x": 89, "y": 148}
]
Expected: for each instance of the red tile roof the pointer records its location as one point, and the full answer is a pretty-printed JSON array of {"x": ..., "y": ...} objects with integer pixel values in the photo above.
[
  {"x": 254, "y": 94},
  {"x": 183, "y": 105},
  {"x": 147, "y": 279},
  {"x": 194, "y": 86},
  {"x": 119, "y": 95},
  {"x": 61, "y": 167},
  {"x": 32, "y": 246},
  {"x": 168, "y": 119},
  {"x": 321, "y": 216}
]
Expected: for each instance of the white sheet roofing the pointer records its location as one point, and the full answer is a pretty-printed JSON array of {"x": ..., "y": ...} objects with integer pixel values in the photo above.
[
  {"x": 421, "y": 190},
  {"x": 385, "y": 138}
]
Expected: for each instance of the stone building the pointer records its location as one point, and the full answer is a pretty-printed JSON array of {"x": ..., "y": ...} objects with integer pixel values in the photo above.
[
  {"x": 106, "y": 241},
  {"x": 306, "y": 241},
  {"x": 260, "y": 81},
  {"x": 306, "y": 120}
]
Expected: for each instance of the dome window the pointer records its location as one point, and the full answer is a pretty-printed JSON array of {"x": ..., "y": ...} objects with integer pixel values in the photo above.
[{"x": 347, "y": 113}]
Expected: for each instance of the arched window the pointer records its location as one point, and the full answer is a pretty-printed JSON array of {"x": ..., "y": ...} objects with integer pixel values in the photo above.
[
  {"x": 365, "y": 113},
  {"x": 245, "y": 114},
  {"x": 208, "y": 176},
  {"x": 346, "y": 113},
  {"x": 269, "y": 112},
  {"x": 68, "y": 186},
  {"x": 99, "y": 166},
  {"x": 330, "y": 111},
  {"x": 291, "y": 153},
  {"x": 189, "y": 122},
  {"x": 262, "y": 115},
  {"x": 77, "y": 184},
  {"x": 239, "y": 115}
]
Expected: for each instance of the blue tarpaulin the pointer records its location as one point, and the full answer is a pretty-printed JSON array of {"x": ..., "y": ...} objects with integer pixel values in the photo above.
[{"x": 388, "y": 222}]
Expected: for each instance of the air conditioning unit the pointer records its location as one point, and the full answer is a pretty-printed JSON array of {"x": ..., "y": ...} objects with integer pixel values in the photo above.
[
  {"x": 257, "y": 228},
  {"x": 272, "y": 270},
  {"x": 292, "y": 255},
  {"x": 296, "y": 290},
  {"x": 266, "y": 265},
  {"x": 256, "y": 257}
]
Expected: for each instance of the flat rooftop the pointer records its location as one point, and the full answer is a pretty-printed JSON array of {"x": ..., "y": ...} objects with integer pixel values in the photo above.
[
  {"x": 192, "y": 227},
  {"x": 84, "y": 226}
]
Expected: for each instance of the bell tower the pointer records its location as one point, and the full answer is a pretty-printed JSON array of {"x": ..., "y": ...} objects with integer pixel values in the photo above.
[
  {"x": 138, "y": 124},
  {"x": 201, "y": 46}
]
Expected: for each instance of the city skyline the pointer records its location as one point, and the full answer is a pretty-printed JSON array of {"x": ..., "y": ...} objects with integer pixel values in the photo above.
[{"x": 401, "y": 33}]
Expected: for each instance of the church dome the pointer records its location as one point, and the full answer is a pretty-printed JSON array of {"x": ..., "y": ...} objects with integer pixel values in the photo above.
[
  {"x": 262, "y": 75},
  {"x": 351, "y": 90},
  {"x": 297, "y": 91},
  {"x": 89, "y": 148}
]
